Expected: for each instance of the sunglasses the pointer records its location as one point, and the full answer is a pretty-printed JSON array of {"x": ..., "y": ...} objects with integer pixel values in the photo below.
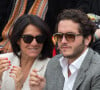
[
  {"x": 70, "y": 37},
  {"x": 29, "y": 38}
]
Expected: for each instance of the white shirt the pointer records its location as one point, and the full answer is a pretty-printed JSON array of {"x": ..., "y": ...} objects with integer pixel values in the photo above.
[
  {"x": 74, "y": 67},
  {"x": 7, "y": 82}
]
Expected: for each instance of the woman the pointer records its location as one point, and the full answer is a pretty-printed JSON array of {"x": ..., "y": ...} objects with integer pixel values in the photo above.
[{"x": 32, "y": 46}]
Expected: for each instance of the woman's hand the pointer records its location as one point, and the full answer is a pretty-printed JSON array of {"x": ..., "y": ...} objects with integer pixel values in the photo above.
[
  {"x": 36, "y": 82},
  {"x": 17, "y": 74},
  {"x": 4, "y": 65}
]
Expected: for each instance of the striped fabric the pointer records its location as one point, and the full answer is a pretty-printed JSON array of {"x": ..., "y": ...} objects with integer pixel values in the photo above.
[{"x": 39, "y": 8}]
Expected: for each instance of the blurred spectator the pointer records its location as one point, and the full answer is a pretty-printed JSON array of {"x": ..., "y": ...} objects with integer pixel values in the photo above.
[
  {"x": 97, "y": 34},
  {"x": 96, "y": 44}
]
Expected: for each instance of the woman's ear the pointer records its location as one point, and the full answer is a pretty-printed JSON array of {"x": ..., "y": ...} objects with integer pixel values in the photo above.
[
  {"x": 88, "y": 40},
  {"x": 18, "y": 42}
]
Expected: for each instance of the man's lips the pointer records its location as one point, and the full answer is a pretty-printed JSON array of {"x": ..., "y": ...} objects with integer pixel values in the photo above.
[{"x": 65, "y": 47}]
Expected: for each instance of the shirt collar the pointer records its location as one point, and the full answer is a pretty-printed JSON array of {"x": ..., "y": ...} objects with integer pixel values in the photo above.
[{"x": 76, "y": 64}]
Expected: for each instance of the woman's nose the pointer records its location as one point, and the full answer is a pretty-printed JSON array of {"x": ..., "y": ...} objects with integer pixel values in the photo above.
[{"x": 34, "y": 41}]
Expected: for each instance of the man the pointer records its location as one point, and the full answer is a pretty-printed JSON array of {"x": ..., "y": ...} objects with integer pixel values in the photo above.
[{"x": 78, "y": 66}]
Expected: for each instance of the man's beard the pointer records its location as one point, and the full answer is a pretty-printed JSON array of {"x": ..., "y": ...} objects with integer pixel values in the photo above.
[{"x": 77, "y": 51}]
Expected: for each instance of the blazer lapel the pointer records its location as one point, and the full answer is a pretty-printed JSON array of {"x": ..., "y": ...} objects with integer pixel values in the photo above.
[
  {"x": 82, "y": 71},
  {"x": 60, "y": 77}
]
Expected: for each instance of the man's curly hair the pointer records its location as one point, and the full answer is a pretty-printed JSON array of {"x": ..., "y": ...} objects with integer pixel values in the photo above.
[{"x": 87, "y": 27}]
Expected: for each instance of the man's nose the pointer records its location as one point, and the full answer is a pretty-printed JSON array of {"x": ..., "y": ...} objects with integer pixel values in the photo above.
[{"x": 63, "y": 39}]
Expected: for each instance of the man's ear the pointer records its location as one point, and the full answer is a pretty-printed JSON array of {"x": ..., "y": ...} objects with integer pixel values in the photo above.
[{"x": 88, "y": 40}]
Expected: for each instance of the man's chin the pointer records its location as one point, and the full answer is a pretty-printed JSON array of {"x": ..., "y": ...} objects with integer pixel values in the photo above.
[{"x": 66, "y": 54}]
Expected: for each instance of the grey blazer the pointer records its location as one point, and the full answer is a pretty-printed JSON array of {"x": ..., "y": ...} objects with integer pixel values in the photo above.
[{"x": 88, "y": 77}]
